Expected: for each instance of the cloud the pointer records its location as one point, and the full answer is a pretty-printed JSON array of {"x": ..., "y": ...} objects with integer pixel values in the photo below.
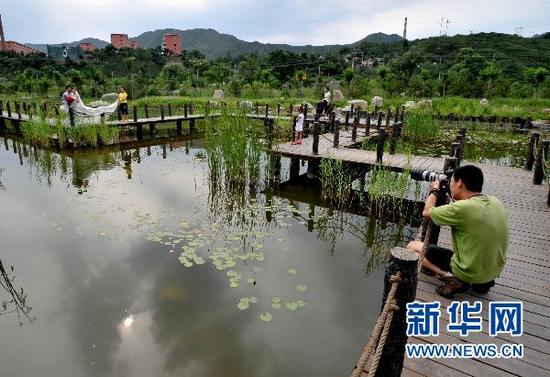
[{"x": 274, "y": 21}]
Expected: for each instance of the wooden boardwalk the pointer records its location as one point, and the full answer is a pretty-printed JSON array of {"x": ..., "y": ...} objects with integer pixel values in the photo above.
[
  {"x": 396, "y": 162},
  {"x": 526, "y": 278}
]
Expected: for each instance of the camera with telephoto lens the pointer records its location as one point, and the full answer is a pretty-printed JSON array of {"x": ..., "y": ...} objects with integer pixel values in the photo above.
[{"x": 430, "y": 176}]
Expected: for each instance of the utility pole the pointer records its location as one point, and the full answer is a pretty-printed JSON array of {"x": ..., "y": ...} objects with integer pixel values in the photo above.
[
  {"x": 405, "y": 30},
  {"x": 444, "y": 26},
  {"x": 519, "y": 31}
]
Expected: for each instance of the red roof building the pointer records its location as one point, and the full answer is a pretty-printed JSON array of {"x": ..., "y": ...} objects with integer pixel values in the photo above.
[
  {"x": 171, "y": 44},
  {"x": 87, "y": 47},
  {"x": 121, "y": 41},
  {"x": 15, "y": 46}
]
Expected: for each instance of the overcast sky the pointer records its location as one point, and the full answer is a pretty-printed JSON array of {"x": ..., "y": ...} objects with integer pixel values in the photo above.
[{"x": 295, "y": 22}]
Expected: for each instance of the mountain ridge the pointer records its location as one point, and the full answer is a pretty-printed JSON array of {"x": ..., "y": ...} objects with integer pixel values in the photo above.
[{"x": 214, "y": 44}]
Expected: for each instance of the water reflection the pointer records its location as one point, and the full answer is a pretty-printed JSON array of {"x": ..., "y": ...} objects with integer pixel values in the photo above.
[
  {"x": 16, "y": 300},
  {"x": 119, "y": 304}
]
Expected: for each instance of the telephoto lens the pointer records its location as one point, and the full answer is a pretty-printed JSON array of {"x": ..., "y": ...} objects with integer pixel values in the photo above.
[{"x": 426, "y": 175}]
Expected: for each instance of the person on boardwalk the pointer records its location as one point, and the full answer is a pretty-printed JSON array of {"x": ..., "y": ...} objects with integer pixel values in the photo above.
[
  {"x": 123, "y": 103},
  {"x": 327, "y": 98},
  {"x": 479, "y": 228},
  {"x": 299, "y": 126},
  {"x": 68, "y": 97}
]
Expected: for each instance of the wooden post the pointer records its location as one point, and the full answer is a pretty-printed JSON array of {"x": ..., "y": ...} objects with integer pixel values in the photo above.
[
  {"x": 529, "y": 161},
  {"x": 388, "y": 117},
  {"x": 25, "y": 108},
  {"x": 1, "y": 108},
  {"x": 185, "y": 110},
  {"x": 257, "y": 109},
  {"x": 379, "y": 123},
  {"x": 270, "y": 132},
  {"x": 134, "y": 111},
  {"x": 454, "y": 149},
  {"x": 290, "y": 109},
  {"x": 336, "y": 129},
  {"x": 451, "y": 163},
  {"x": 139, "y": 131},
  {"x": 18, "y": 110},
  {"x": 380, "y": 145},
  {"x": 396, "y": 118},
  {"x": 266, "y": 110},
  {"x": 152, "y": 128},
  {"x": 354, "y": 128},
  {"x": 405, "y": 262},
  {"x": 346, "y": 123},
  {"x": 278, "y": 109},
  {"x": 367, "y": 128},
  {"x": 8, "y": 109},
  {"x": 396, "y": 133},
  {"x": 161, "y": 111},
  {"x": 146, "y": 111},
  {"x": 190, "y": 109},
  {"x": 542, "y": 156},
  {"x": 178, "y": 127},
  {"x": 169, "y": 109},
  {"x": 316, "y": 129},
  {"x": 352, "y": 108},
  {"x": 294, "y": 168},
  {"x": 332, "y": 121},
  {"x": 29, "y": 112}
]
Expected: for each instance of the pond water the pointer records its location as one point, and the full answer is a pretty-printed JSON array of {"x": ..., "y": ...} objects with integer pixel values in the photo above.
[{"x": 134, "y": 266}]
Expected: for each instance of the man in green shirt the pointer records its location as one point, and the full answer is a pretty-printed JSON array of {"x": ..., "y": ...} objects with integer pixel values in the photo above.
[{"x": 479, "y": 228}]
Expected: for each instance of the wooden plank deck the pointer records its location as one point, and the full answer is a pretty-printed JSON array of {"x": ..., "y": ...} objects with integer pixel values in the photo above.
[
  {"x": 525, "y": 278},
  {"x": 344, "y": 152}
]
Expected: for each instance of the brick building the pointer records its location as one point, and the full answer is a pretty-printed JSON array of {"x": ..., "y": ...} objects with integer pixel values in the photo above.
[
  {"x": 15, "y": 46},
  {"x": 171, "y": 44},
  {"x": 121, "y": 41},
  {"x": 87, "y": 47}
]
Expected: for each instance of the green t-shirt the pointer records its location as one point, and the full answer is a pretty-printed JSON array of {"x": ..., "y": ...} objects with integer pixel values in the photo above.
[{"x": 479, "y": 228}]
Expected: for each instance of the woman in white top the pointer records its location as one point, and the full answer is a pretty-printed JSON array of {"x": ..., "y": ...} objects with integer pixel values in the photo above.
[{"x": 299, "y": 126}]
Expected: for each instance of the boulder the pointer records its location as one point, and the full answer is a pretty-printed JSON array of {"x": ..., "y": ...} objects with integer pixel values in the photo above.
[
  {"x": 218, "y": 94},
  {"x": 409, "y": 105},
  {"x": 484, "y": 102},
  {"x": 337, "y": 95},
  {"x": 377, "y": 101},
  {"x": 109, "y": 97},
  {"x": 425, "y": 104},
  {"x": 358, "y": 104}
]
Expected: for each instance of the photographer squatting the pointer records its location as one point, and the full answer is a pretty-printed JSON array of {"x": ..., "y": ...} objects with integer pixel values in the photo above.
[{"x": 479, "y": 227}]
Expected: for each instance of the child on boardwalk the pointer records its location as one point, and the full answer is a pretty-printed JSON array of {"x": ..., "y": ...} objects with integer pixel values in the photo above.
[{"x": 299, "y": 126}]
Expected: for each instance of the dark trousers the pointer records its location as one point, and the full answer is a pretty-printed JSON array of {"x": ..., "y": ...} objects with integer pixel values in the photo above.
[{"x": 441, "y": 257}]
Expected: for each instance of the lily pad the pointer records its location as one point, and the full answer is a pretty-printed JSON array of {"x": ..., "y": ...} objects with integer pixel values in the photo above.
[
  {"x": 301, "y": 287},
  {"x": 291, "y": 271},
  {"x": 266, "y": 317}
]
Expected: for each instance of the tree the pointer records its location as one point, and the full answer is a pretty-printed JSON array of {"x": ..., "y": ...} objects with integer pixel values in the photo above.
[
  {"x": 348, "y": 75},
  {"x": 535, "y": 76}
]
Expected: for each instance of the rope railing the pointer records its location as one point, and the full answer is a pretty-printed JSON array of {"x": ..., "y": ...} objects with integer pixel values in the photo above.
[{"x": 373, "y": 350}]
